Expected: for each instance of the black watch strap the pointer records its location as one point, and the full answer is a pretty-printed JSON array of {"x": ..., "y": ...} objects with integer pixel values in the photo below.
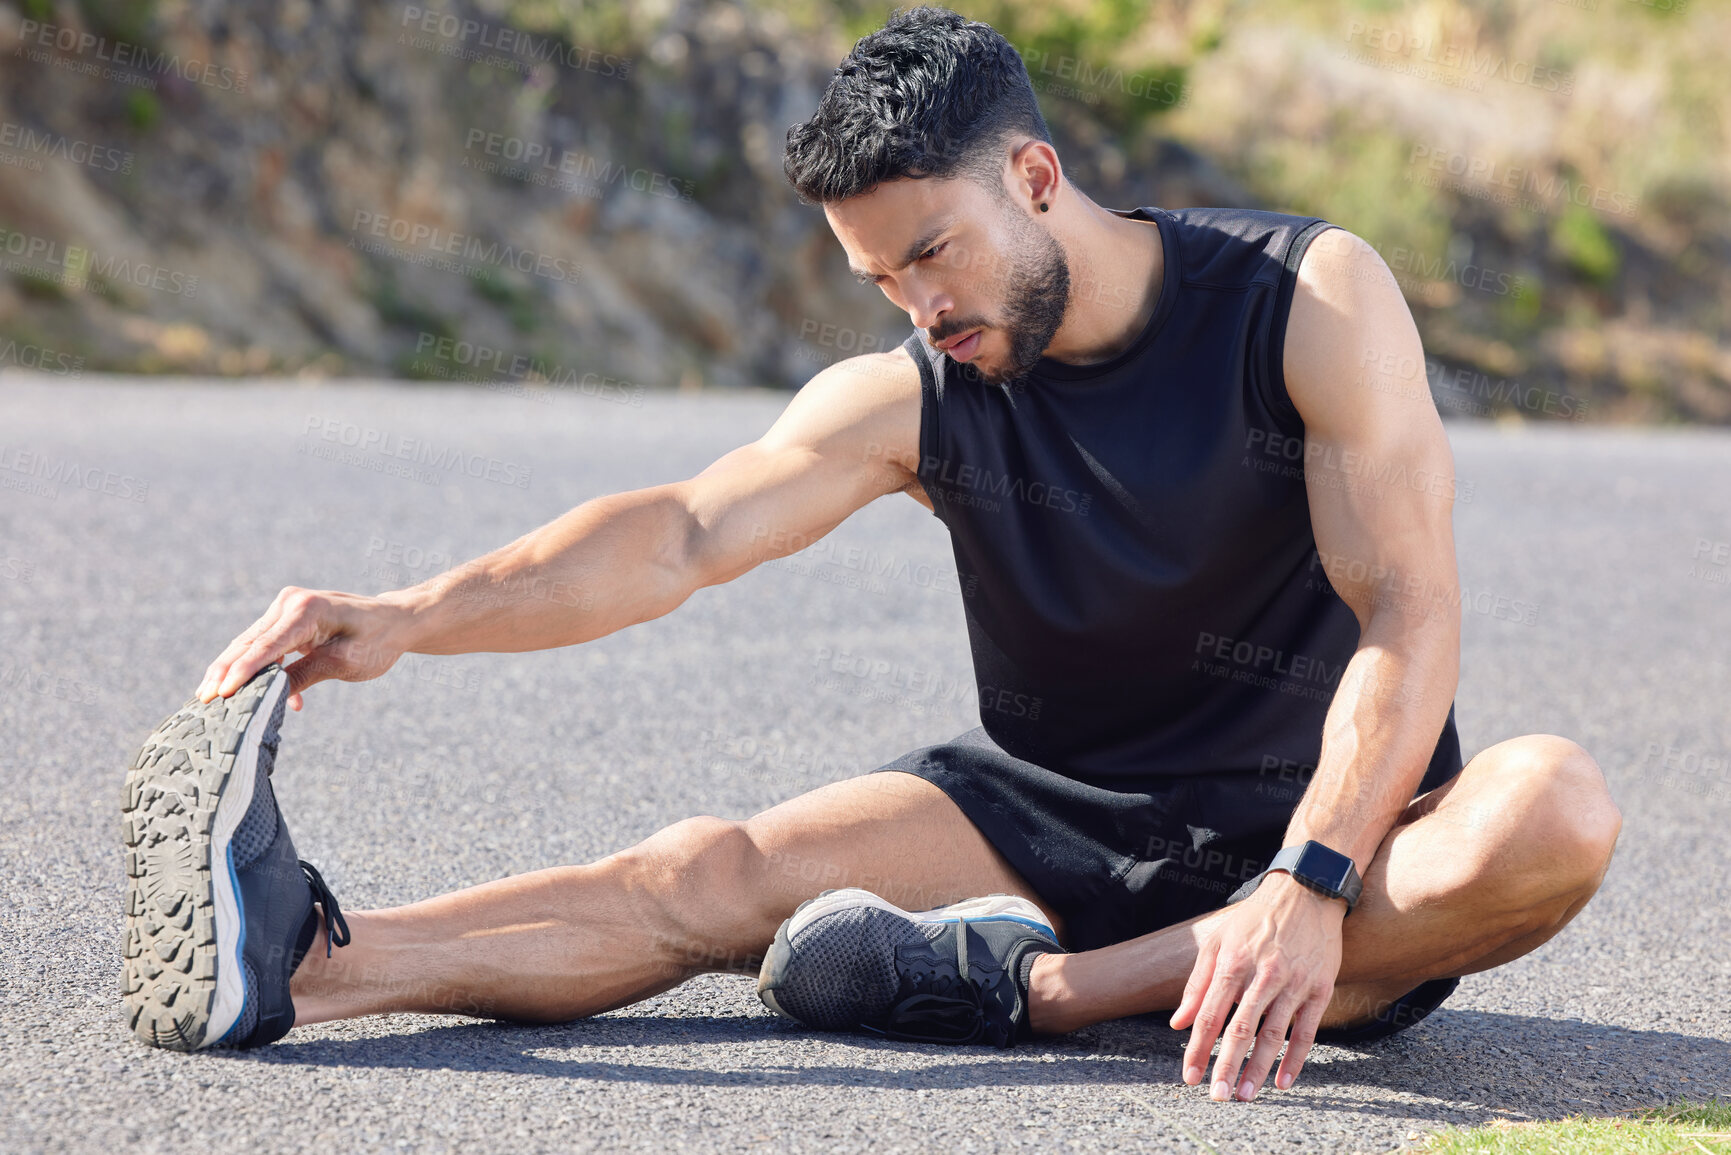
[{"x": 1316, "y": 866}]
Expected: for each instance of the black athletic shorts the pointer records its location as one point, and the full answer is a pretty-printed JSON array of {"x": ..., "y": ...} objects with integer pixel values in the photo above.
[{"x": 1117, "y": 864}]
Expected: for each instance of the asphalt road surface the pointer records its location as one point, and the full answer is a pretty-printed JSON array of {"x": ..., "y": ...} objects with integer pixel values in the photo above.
[{"x": 1597, "y": 564}]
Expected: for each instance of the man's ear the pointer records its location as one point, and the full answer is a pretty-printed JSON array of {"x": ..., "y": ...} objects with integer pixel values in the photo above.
[{"x": 1035, "y": 174}]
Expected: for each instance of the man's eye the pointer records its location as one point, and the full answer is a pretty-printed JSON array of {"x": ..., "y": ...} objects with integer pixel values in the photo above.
[{"x": 933, "y": 251}]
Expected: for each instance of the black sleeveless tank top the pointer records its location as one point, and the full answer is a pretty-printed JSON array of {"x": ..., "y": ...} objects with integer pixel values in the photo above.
[{"x": 1132, "y": 537}]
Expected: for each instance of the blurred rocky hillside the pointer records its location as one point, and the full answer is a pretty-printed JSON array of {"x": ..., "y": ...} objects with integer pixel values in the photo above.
[{"x": 589, "y": 197}]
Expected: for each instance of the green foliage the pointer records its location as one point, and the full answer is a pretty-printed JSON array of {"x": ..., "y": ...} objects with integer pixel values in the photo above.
[
  {"x": 101, "y": 286},
  {"x": 411, "y": 366},
  {"x": 397, "y": 310},
  {"x": 1687, "y": 1128},
  {"x": 41, "y": 286},
  {"x": 1663, "y": 9},
  {"x": 133, "y": 21},
  {"x": 1581, "y": 241},
  {"x": 20, "y": 332},
  {"x": 1357, "y": 179},
  {"x": 1080, "y": 51},
  {"x": 518, "y": 301},
  {"x": 1519, "y": 312},
  {"x": 142, "y": 109},
  {"x": 676, "y": 132},
  {"x": 1073, "y": 52},
  {"x": 615, "y": 26}
]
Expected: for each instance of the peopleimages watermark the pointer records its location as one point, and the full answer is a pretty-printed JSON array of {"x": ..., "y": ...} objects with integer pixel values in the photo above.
[
  {"x": 1407, "y": 264},
  {"x": 748, "y": 750},
  {"x": 1458, "y": 66},
  {"x": 441, "y": 243},
  {"x": 1708, "y": 774},
  {"x": 1047, "y": 70},
  {"x": 28, "y": 355},
  {"x": 916, "y": 689},
  {"x": 72, "y": 266},
  {"x": 569, "y": 170},
  {"x": 396, "y": 561},
  {"x": 496, "y": 362},
  {"x": 969, "y": 484},
  {"x": 1301, "y": 675},
  {"x": 31, "y": 145},
  {"x": 35, "y": 37},
  {"x": 45, "y": 683},
  {"x": 1468, "y": 390},
  {"x": 857, "y": 567},
  {"x": 393, "y": 454},
  {"x": 470, "y": 40},
  {"x": 1711, "y": 562},
  {"x": 1206, "y": 868},
  {"x": 1415, "y": 593},
  {"x": 842, "y": 338},
  {"x": 1463, "y": 390},
  {"x": 1488, "y": 179},
  {"x": 1287, "y": 779},
  {"x": 40, "y": 475},
  {"x": 1288, "y": 455},
  {"x": 1421, "y": 274}
]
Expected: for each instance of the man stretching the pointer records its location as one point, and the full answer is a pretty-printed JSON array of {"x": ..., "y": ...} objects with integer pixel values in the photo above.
[{"x": 1200, "y": 503}]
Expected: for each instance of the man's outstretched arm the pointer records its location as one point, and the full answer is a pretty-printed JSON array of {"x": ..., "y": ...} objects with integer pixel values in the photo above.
[
  {"x": 1380, "y": 478},
  {"x": 847, "y": 437}
]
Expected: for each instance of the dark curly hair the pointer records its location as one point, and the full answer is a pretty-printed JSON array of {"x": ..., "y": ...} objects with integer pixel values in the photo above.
[{"x": 930, "y": 94}]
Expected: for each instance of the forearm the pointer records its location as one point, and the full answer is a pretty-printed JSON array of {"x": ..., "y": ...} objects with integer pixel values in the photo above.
[
  {"x": 607, "y": 564},
  {"x": 1380, "y": 733}
]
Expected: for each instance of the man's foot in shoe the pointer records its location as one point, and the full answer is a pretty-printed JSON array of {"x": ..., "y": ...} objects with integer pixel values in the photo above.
[
  {"x": 958, "y": 974},
  {"x": 219, "y": 910}
]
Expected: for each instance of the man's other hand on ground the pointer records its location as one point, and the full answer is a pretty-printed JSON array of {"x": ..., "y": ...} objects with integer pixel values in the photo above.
[{"x": 1276, "y": 954}]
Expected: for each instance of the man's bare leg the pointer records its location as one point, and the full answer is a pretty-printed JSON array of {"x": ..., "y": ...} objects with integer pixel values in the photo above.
[
  {"x": 702, "y": 895},
  {"x": 1477, "y": 872}
]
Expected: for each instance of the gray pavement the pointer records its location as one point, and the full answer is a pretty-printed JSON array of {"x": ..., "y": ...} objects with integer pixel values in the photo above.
[{"x": 208, "y": 497}]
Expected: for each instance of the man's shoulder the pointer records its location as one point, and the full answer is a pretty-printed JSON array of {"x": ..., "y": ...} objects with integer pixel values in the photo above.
[
  {"x": 867, "y": 406},
  {"x": 891, "y": 375},
  {"x": 1238, "y": 222},
  {"x": 1231, "y": 246},
  {"x": 867, "y": 410}
]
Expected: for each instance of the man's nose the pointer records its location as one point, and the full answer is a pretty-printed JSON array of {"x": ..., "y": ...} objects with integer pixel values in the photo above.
[{"x": 926, "y": 309}]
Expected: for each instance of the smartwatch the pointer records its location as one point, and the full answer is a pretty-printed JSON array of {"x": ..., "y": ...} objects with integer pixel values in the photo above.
[{"x": 1323, "y": 870}]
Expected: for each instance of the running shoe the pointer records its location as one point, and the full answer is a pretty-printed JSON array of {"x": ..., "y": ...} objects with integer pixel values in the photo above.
[
  {"x": 219, "y": 910},
  {"x": 849, "y": 960}
]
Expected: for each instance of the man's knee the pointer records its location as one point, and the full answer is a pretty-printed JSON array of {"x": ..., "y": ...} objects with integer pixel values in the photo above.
[
  {"x": 1582, "y": 822},
  {"x": 702, "y": 879},
  {"x": 1567, "y": 818}
]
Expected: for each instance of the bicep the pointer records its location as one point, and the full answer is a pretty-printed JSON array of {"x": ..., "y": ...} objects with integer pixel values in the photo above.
[
  {"x": 1378, "y": 468},
  {"x": 849, "y": 436}
]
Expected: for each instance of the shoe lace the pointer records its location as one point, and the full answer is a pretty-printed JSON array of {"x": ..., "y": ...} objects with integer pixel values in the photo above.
[
  {"x": 950, "y": 1010},
  {"x": 333, "y": 913}
]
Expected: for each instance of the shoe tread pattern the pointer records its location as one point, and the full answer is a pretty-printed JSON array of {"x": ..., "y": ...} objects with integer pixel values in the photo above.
[{"x": 168, "y": 809}]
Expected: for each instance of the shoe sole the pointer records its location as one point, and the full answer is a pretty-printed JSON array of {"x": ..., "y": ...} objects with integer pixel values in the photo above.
[
  {"x": 994, "y": 906},
  {"x": 182, "y": 980}
]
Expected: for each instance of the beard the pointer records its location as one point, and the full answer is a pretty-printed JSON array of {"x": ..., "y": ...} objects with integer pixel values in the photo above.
[{"x": 1037, "y": 295}]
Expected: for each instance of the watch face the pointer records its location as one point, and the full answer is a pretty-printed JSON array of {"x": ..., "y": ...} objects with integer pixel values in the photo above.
[{"x": 1324, "y": 868}]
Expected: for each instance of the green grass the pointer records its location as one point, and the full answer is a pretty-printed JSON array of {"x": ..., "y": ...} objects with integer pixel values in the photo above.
[{"x": 1684, "y": 1129}]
